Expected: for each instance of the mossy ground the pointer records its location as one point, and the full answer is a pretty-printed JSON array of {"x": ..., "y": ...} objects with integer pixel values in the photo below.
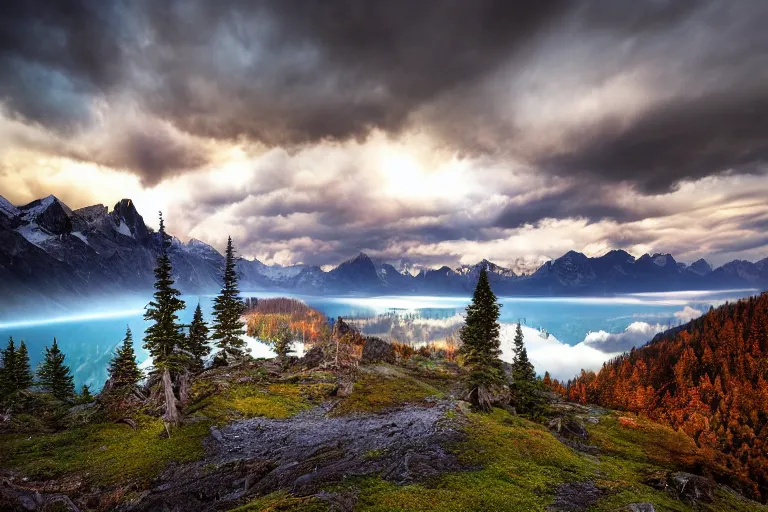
[
  {"x": 105, "y": 453},
  {"x": 514, "y": 464},
  {"x": 511, "y": 463},
  {"x": 384, "y": 387}
]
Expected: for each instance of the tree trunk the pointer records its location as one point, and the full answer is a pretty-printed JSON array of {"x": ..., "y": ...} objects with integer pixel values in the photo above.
[
  {"x": 171, "y": 415},
  {"x": 184, "y": 383}
]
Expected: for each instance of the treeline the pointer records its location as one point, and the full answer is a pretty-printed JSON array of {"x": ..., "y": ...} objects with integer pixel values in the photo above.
[
  {"x": 52, "y": 375},
  {"x": 709, "y": 379}
]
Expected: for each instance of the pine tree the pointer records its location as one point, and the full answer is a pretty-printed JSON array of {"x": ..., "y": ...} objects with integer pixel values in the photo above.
[
  {"x": 85, "y": 395},
  {"x": 525, "y": 386},
  {"x": 7, "y": 377},
  {"x": 228, "y": 307},
  {"x": 22, "y": 371},
  {"x": 54, "y": 376},
  {"x": 164, "y": 338},
  {"x": 481, "y": 346},
  {"x": 197, "y": 339},
  {"x": 123, "y": 370}
]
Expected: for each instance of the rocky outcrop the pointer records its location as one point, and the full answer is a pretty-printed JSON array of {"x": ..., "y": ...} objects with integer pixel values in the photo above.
[
  {"x": 257, "y": 456},
  {"x": 684, "y": 486},
  {"x": 376, "y": 350}
]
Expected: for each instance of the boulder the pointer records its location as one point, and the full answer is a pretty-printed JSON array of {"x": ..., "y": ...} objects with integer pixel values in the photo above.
[
  {"x": 313, "y": 358},
  {"x": 638, "y": 507},
  {"x": 376, "y": 350},
  {"x": 692, "y": 488}
]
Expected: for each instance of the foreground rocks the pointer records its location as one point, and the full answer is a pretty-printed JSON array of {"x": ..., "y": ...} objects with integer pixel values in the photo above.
[{"x": 258, "y": 456}]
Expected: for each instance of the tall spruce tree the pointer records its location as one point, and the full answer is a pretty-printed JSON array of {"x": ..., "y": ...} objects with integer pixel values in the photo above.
[
  {"x": 23, "y": 371},
  {"x": 525, "y": 386},
  {"x": 165, "y": 335},
  {"x": 481, "y": 347},
  {"x": 164, "y": 339},
  {"x": 54, "y": 376},
  {"x": 197, "y": 339},
  {"x": 124, "y": 371},
  {"x": 7, "y": 376},
  {"x": 228, "y": 307}
]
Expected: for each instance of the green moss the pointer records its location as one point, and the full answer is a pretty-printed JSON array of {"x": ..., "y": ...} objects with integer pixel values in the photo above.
[
  {"x": 105, "y": 453},
  {"x": 283, "y": 502},
  {"x": 521, "y": 465},
  {"x": 385, "y": 388},
  {"x": 271, "y": 401}
]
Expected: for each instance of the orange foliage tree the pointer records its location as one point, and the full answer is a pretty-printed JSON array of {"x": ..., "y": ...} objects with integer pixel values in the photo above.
[{"x": 708, "y": 378}]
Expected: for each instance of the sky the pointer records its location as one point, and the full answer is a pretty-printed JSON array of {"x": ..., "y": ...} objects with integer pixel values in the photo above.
[{"x": 432, "y": 133}]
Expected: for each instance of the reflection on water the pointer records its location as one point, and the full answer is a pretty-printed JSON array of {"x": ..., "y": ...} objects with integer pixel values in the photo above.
[{"x": 414, "y": 327}]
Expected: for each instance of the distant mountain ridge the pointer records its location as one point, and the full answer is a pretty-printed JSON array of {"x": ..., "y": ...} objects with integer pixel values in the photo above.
[{"x": 51, "y": 255}]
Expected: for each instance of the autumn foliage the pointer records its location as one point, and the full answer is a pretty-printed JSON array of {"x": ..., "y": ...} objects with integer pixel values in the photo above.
[
  {"x": 266, "y": 317},
  {"x": 708, "y": 378}
]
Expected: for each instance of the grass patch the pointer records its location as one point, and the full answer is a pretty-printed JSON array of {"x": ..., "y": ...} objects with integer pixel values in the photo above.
[
  {"x": 249, "y": 400},
  {"x": 384, "y": 388},
  {"x": 284, "y": 502},
  {"x": 104, "y": 454},
  {"x": 521, "y": 461}
]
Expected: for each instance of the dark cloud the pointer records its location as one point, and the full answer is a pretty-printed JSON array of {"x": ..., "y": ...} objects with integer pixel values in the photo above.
[
  {"x": 297, "y": 72},
  {"x": 680, "y": 140},
  {"x": 590, "y": 200},
  {"x": 55, "y": 55}
]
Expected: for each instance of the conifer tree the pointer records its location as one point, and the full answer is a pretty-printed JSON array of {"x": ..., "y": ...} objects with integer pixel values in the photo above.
[
  {"x": 85, "y": 395},
  {"x": 228, "y": 307},
  {"x": 54, "y": 376},
  {"x": 164, "y": 336},
  {"x": 123, "y": 370},
  {"x": 524, "y": 385},
  {"x": 22, "y": 371},
  {"x": 481, "y": 346},
  {"x": 7, "y": 377},
  {"x": 164, "y": 339},
  {"x": 197, "y": 339}
]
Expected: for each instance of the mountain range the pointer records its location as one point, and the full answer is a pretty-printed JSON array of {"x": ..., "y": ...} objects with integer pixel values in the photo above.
[{"x": 52, "y": 257}]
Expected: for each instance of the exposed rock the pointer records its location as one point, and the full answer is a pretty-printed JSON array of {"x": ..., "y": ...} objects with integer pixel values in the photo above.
[
  {"x": 575, "y": 496},
  {"x": 376, "y": 350},
  {"x": 684, "y": 486},
  {"x": 313, "y": 358},
  {"x": 258, "y": 456},
  {"x": 638, "y": 507},
  {"x": 16, "y": 498},
  {"x": 692, "y": 488}
]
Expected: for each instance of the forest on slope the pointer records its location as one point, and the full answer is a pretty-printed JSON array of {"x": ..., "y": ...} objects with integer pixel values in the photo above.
[{"x": 708, "y": 378}]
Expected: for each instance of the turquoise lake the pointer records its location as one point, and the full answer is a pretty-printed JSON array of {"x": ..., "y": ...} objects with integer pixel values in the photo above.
[{"x": 89, "y": 340}]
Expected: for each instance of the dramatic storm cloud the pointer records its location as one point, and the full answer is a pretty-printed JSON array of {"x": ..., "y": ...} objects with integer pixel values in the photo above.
[{"x": 436, "y": 132}]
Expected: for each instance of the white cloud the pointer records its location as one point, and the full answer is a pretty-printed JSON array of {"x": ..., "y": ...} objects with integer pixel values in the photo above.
[
  {"x": 635, "y": 335},
  {"x": 687, "y": 314},
  {"x": 562, "y": 361}
]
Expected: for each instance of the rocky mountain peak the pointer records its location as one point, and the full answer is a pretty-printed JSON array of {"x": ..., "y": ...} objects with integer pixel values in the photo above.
[
  {"x": 129, "y": 222},
  {"x": 49, "y": 214},
  {"x": 701, "y": 267}
]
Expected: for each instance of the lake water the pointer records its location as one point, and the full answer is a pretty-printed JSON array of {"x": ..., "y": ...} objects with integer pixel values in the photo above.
[{"x": 89, "y": 340}]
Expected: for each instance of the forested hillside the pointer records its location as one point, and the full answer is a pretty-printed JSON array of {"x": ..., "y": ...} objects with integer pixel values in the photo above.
[{"x": 708, "y": 378}]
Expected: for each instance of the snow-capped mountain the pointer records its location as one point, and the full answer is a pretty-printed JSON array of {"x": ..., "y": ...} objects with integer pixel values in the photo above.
[{"x": 52, "y": 256}]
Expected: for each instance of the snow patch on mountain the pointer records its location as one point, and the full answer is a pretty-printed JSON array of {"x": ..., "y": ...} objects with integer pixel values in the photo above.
[
  {"x": 34, "y": 234},
  {"x": 7, "y": 209},
  {"x": 123, "y": 229}
]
